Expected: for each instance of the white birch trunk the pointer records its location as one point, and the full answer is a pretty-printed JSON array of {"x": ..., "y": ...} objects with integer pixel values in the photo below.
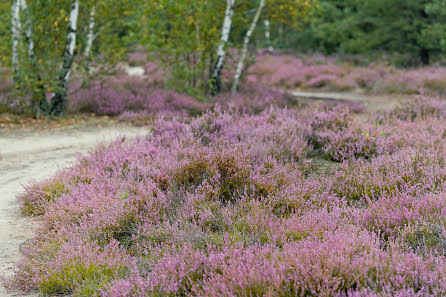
[
  {"x": 268, "y": 35},
  {"x": 60, "y": 97},
  {"x": 28, "y": 32},
  {"x": 221, "y": 51},
  {"x": 241, "y": 62},
  {"x": 15, "y": 30},
  {"x": 90, "y": 36},
  {"x": 71, "y": 41}
]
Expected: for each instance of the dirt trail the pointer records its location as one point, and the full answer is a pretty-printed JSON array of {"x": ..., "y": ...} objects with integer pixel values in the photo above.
[
  {"x": 34, "y": 157},
  {"x": 371, "y": 103}
]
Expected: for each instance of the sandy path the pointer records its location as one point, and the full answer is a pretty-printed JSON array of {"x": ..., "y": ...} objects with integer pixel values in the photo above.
[
  {"x": 34, "y": 157},
  {"x": 371, "y": 103}
]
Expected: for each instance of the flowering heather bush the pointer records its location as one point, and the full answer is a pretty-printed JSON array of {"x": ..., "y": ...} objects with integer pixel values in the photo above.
[
  {"x": 123, "y": 93},
  {"x": 316, "y": 72},
  {"x": 231, "y": 204},
  {"x": 405, "y": 172},
  {"x": 341, "y": 138},
  {"x": 254, "y": 98},
  {"x": 422, "y": 107},
  {"x": 137, "y": 98}
]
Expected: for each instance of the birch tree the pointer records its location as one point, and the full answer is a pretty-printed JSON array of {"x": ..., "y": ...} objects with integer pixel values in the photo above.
[
  {"x": 292, "y": 12},
  {"x": 268, "y": 35},
  {"x": 15, "y": 30},
  {"x": 241, "y": 62},
  {"x": 221, "y": 50},
  {"x": 90, "y": 37},
  {"x": 28, "y": 26},
  {"x": 39, "y": 51},
  {"x": 58, "y": 103}
]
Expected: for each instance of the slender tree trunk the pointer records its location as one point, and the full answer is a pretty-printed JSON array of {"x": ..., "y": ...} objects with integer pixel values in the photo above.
[
  {"x": 425, "y": 56},
  {"x": 241, "y": 62},
  {"x": 15, "y": 30},
  {"x": 268, "y": 35},
  {"x": 59, "y": 99},
  {"x": 40, "y": 103},
  {"x": 281, "y": 35},
  {"x": 221, "y": 51},
  {"x": 28, "y": 32},
  {"x": 90, "y": 38}
]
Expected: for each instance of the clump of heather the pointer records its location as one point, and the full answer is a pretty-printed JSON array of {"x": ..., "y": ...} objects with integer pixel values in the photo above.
[
  {"x": 254, "y": 98},
  {"x": 336, "y": 134},
  {"x": 327, "y": 73},
  {"x": 275, "y": 203},
  {"x": 422, "y": 106},
  {"x": 124, "y": 94},
  {"x": 136, "y": 99},
  {"x": 342, "y": 264}
]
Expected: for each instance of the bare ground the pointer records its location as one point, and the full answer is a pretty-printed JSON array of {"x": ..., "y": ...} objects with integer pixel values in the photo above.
[
  {"x": 371, "y": 103},
  {"x": 34, "y": 156}
]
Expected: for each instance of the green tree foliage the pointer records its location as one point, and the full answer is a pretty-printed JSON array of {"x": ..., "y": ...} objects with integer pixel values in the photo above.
[
  {"x": 5, "y": 33},
  {"x": 115, "y": 30},
  {"x": 49, "y": 28},
  {"x": 184, "y": 35},
  {"x": 434, "y": 35},
  {"x": 410, "y": 27}
]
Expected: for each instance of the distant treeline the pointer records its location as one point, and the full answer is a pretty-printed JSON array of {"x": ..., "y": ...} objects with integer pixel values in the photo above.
[{"x": 410, "y": 31}]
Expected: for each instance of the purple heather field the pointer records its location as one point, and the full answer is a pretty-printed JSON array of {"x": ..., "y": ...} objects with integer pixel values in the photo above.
[{"x": 252, "y": 195}]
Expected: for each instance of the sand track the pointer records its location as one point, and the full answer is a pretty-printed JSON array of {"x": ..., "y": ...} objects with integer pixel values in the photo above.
[
  {"x": 34, "y": 157},
  {"x": 371, "y": 103}
]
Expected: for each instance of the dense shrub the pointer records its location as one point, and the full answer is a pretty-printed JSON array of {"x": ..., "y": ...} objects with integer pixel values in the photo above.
[
  {"x": 421, "y": 108},
  {"x": 340, "y": 138}
]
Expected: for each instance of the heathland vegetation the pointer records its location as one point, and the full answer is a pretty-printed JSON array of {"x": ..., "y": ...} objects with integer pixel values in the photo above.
[{"x": 238, "y": 189}]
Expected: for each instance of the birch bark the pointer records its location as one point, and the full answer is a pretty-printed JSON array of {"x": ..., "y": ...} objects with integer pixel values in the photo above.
[
  {"x": 90, "y": 36},
  {"x": 15, "y": 30},
  {"x": 28, "y": 32},
  {"x": 268, "y": 35},
  {"x": 221, "y": 50},
  {"x": 241, "y": 62},
  {"x": 58, "y": 102}
]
